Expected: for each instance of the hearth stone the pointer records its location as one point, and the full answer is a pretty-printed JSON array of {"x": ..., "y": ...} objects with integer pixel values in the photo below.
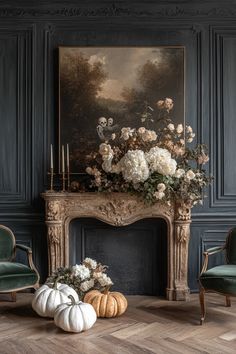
[{"x": 120, "y": 209}]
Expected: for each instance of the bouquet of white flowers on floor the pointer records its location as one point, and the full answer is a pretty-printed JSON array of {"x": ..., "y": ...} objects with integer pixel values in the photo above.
[{"x": 83, "y": 277}]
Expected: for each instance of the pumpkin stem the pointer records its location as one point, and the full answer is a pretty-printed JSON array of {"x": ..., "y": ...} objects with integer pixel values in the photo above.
[
  {"x": 71, "y": 297},
  {"x": 107, "y": 288},
  {"x": 56, "y": 282}
]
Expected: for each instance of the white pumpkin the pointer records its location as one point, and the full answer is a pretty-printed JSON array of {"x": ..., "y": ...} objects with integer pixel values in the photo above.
[
  {"x": 49, "y": 296},
  {"x": 75, "y": 316}
]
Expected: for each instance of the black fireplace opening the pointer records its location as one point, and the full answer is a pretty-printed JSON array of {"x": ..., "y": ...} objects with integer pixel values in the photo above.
[{"x": 136, "y": 254}]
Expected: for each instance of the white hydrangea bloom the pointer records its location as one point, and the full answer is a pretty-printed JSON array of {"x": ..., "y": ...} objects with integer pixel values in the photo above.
[
  {"x": 104, "y": 280},
  {"x": 97, "y": 275},
  {"x": 81, "y": 271},
  {"x": 134, "y": 166},
  {"x": 87, "y": 285},
  {"x": 91, "y": 262},
  {"x": 160, "y": 161}
]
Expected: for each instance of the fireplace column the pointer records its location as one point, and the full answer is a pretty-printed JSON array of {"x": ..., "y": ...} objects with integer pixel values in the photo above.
[
  {"x": 180, "y": 252},
  {"x": 55, "y": 234}
]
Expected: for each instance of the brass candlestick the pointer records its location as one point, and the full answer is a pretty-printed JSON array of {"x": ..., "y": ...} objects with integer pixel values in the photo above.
[
  {"x": 51, "y": 179},
  {"x": 63, "y": 182},
  {"x": 51, "y": 174},
  {"x": 68, "y": 180}
]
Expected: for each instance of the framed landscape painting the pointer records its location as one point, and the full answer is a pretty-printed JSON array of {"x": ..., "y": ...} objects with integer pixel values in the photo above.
[{"x": 102, "y": 89}]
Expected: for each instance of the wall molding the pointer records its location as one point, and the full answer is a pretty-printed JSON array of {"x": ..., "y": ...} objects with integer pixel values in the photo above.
[
  {"x": 219, "y": 118},
  {"x": 116, "y": 10}
]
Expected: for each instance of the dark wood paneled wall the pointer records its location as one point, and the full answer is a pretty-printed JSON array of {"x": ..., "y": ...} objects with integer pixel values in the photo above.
[{"x": 30, "y": 33}]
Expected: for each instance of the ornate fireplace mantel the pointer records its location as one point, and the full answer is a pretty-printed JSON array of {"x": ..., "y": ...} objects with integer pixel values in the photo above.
[{"x": 119, "y": 209}]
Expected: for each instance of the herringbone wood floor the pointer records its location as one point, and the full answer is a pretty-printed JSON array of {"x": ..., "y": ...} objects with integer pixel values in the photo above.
[{"x": 150, "y": 325}]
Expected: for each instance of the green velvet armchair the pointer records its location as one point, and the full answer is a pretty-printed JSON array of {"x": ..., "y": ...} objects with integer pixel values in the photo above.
[
  {"x": 220, "y": 279},
  {"x": 15, "y": 276}
]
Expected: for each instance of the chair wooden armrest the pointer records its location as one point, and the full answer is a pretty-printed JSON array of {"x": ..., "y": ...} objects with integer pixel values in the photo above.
[
  {"x": 210, "y": 252},
  {"x": 24, "y": 248},
  {"x": 29, "y": 254}
]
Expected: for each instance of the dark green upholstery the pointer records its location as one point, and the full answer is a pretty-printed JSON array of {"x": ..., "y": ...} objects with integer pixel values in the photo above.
[
  {"x": 14, "y": 276},
  {"x": 7, "y": 243},
  {"x": 221, "y": 279}
]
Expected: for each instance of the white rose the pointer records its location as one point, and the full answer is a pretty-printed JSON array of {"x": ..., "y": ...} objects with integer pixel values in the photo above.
[
  {"x": 171, "y": 127},
  {"x": 149, "y": 135},
  {"x": 141, "y": 130},
  {"x": 106, "y": 151},
  {"x": 179, "y": 173},
  {"x": 161, "y": 187},
  {"x": 159, "y": 195},
  {"x": 89, "y": 170},
  {"x": 168, "y": 104},
  {"x": 189, "y": 129},
  {"x": 189, "y": 140},
  {"x": 179, "y": 128},
  {"x": 190, "y": 175},
  {"x": 126, "y": 133}
]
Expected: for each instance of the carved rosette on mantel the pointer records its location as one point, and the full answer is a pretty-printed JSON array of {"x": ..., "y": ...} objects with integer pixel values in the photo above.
[{"x": 119, "y": 209}]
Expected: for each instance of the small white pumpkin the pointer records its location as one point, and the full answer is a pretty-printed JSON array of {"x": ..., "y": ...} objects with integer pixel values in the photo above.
[
  {"x": 75, "y": 316},
  {"x": 49, "y": 296}
]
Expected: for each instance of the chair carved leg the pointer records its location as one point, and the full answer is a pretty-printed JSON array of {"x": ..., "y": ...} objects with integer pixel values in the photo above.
[
  {"x": 13, "y": 296},
  {"x": 202, "y": 305},
  {"x": 228, "y": 301}
]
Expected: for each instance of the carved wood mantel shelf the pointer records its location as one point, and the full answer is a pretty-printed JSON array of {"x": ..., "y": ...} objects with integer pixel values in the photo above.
[{"x": 119, "y": 209}]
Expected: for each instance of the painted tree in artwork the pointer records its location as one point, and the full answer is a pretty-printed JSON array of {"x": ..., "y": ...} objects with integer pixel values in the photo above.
[
  {"x": 155, "y": 80},
  {"x": 80, "y": 83}
]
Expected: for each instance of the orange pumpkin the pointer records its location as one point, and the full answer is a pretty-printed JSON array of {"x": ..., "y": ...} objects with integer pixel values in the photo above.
[{"x": 107, "y": 304}]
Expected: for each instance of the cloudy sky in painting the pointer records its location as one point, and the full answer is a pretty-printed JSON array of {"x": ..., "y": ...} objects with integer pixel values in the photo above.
[{"x": 121, "y": 65}]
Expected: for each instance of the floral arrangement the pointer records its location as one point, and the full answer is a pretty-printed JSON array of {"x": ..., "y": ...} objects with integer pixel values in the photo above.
[
  {"x": 157, "y": 165},
  {"x": 88, "y": 275}
]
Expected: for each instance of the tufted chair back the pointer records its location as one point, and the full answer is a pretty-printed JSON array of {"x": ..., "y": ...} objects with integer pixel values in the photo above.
[
  {"x": 231, "y": 247},
  {"x": 7, "y": 244}
]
